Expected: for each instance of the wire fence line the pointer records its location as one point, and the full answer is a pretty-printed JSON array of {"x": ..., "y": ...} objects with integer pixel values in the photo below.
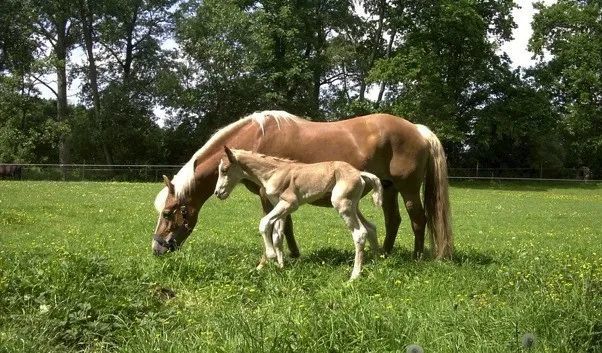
[{"x": 154, "y": 172}]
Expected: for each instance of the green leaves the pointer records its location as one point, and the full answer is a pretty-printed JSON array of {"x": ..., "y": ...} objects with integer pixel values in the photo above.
[{"x": 567, "y": 36}]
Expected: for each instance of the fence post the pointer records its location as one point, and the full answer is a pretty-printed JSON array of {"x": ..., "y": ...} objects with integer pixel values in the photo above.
[{"x": 477, "y": 169}]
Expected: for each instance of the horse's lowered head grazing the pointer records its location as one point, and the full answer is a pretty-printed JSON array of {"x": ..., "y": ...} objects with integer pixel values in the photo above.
[{"x": 174, "y": 223}]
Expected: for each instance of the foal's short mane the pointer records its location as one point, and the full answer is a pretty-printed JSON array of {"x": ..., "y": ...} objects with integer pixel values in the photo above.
[
  {"x": 260, "y": 155},
  {"x": 184, "y": 180}
]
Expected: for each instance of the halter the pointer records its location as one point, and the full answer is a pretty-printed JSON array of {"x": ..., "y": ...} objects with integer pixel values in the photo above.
[{"x": 171, "y": 244}]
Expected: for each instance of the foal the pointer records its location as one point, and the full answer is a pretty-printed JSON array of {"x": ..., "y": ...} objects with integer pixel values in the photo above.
[{"x": 289, "y": 184}]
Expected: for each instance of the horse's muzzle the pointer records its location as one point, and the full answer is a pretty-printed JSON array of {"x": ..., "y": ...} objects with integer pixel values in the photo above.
[
  {"x": 161, "y": 246},
  {"x": 222, "y": 195}
]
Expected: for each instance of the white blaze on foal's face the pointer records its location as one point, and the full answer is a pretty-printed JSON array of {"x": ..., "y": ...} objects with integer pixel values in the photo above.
[{"x": 229, "y": 176}]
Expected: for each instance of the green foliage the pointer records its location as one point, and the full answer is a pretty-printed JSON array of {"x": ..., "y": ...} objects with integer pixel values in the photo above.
[
  {"x": 442, "y": 68},
  {"x": 567, "y": 36},
  {"x": 16, "y": 44},
  {"x": 517, "y": 128},
  {"x": 208, "y": 63},
  {"x": 28, "y": 131},
  {"x": 77, "y": 274}
]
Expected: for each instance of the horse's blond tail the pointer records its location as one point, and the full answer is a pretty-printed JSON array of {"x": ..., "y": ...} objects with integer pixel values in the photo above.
[
  {"x": 436, "y": 197},
  {"x": 377, "y": 188}
]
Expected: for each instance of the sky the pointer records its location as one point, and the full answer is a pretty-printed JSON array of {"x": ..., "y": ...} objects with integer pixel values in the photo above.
[{"x": 516, "y": 49}]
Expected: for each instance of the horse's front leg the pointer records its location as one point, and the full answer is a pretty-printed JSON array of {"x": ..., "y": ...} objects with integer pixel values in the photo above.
[
  {"x": 287, "y": 227},
  {"x": 266, "y": 228}
]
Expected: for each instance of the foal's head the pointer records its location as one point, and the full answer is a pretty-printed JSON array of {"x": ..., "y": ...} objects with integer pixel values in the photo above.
[
  {"x": 230, "y": 174},
  {"x": 174, "y": 224}
]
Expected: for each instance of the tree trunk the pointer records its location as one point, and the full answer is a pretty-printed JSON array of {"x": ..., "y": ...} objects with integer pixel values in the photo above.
[
  {"x": 375, "y": 47},
  {"x": 61, "y": 82},
  {"x": 381, "y": 90},
  {"x": 86, "y": 18},
  {"x": 129, "y": 46},
  {"x": 318, "y": 71}
]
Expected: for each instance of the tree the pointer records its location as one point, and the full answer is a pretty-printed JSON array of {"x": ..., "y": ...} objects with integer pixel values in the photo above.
[
  {"x": 516, "y": 128},
  {"x": 254, "y": 55},
  {"x": 567, "y": 37},
  {"x": 17, "y": 47},
  {"x": 53, "y": 21},
  {"x": 27, "y": 134},
  {"x": 442, "y": 63},
  {"x": 122, "y": 43}
]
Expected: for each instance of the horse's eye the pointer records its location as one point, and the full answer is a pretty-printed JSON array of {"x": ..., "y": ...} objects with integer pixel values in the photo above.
[
  {"x": 183, "y": 210},
  {"x": 166, "y": 214}
]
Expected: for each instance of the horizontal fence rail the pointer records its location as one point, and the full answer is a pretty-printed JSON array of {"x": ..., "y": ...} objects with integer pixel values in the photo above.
[{"x": 154, "y": 173}]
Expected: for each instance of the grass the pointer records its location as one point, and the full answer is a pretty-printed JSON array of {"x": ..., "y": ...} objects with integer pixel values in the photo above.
[{"x": 77, "y": 274}]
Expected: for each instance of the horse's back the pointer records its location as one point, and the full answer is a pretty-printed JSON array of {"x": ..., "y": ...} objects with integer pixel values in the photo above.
[
  {"x": 384, "y": 144},
  {"x": 388, "y": 146}
]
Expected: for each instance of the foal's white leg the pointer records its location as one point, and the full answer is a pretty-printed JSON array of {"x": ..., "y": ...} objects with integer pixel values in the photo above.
[
  {"x": 277, "y": 237},
  {"x": 371, "y": 228},
  {"x": 348, "y": 211},
  {"x": 266, "y": 227},
  {"x": 359, "y": 239}
]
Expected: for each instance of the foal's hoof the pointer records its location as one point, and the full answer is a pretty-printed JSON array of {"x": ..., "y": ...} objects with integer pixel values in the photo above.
[{"x": 262, "y": 262}]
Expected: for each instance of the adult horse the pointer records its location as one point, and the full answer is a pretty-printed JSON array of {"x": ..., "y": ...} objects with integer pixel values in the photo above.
[{"x": 402, "y": 154}]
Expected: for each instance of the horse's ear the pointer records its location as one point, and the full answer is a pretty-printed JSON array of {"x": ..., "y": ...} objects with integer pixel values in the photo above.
[
  {"x": 169, "y": 185},
  {"x": 229, "y": 154}
]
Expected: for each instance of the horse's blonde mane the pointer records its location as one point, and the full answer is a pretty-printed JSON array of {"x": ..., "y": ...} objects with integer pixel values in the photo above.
[{"x": 183, "y": 181}]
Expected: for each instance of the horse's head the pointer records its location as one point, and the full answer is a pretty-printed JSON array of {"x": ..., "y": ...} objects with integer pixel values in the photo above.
[
  {"x": 176, "y": 220},
  {"x": 230, "y": 174}
]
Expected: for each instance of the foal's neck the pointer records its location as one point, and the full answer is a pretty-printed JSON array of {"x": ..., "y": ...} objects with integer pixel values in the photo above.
[{"x": 259, "y": 167}]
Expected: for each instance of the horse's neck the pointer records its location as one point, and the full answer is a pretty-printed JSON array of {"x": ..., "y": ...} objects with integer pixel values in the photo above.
[
  {"x": 260, "y": 169},
  {"x": 207, "y": 162}
]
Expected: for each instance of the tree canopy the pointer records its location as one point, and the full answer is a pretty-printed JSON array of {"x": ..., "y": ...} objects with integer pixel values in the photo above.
[{"x": 203, "y": 64}]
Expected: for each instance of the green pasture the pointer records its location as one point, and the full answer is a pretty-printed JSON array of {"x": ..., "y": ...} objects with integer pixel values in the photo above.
[{"x": 77, "y": 274}]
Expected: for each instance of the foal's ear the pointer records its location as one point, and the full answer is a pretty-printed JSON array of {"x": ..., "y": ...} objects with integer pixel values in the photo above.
[
  {"x": 169, "y": 185},
  {"x": 229, "y": 154}
]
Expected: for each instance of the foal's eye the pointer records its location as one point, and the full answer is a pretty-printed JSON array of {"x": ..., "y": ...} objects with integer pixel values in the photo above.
[{"x": 166, "y": 214}]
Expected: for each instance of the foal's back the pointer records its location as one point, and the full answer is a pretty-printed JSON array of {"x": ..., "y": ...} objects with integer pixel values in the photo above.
[{"x": 313, "y": 181}]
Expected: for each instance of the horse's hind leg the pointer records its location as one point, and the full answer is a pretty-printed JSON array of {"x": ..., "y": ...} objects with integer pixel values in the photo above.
[
  {"x": 392, "y": 217},
  {"x": 415, "y": 210}
]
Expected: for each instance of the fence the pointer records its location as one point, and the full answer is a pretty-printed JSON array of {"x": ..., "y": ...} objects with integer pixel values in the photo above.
[
  {"x": 153, "y": 173},
  {"x": 96, "y": 172}
]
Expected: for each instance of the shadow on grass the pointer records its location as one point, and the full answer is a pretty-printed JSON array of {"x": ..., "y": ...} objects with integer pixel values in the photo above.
[
  {"x": 519, "y": 185},
  {"x": 462, "y": 257},
  {"x": 329, "y": 256},
  {"x": 399, "y": 257},
  {"x": 472, "y": 257}
]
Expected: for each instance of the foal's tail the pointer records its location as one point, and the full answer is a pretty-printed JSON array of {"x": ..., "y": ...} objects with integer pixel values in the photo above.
[
  {"x": 436, "y": 197},
  {"x": 377, "y": 188}
]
